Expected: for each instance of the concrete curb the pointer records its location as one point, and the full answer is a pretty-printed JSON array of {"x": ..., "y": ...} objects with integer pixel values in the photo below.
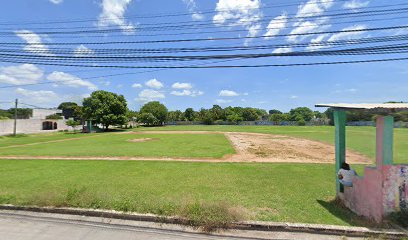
[{"x": 245, "y": 225}]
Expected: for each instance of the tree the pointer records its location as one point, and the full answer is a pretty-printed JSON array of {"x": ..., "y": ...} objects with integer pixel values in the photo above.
[
  {"x": 148, "y": 119},
  {"x": 72, "y": 123},
  {"x": 279, "y": 117},
  {"x": 301, "y": 112},
  {"x": 158, "y": 110},
  {"x": 68, "y": 109},
  {"x": 175, "y": 116},
  {"x": 105, "y": 108},
  {"x": 274, "y": 111},
  {"x": 217, "y": 113},
  {"x": 250, "y": 114},
  {"x": 189, "y": 114}
]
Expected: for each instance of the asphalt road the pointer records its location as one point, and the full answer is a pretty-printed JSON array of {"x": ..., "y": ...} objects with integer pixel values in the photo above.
[{"x": 19, "y": 225}]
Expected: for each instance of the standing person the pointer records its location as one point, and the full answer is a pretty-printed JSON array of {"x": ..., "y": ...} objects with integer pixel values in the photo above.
[{"x": 346, "y": 175}]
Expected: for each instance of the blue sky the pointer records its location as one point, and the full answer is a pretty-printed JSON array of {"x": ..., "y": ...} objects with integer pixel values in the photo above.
[{"x": 267, "y": 88}]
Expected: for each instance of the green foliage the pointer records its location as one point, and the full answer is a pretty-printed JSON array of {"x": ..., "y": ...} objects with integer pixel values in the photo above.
[
  {"x": 22, "y": 113},
  {"x": 72, "y": 123},
  {"x": 68, "y": 109},
  {"x": 279, "y": 117},
  {"x": 148, "y": 119},
  {"x": 297, "y": 114},
  {"x": 175, "y": 116},
  {"x": 250, "y": 114},
  {"x": 54, "y": 117},
  {"x": 189, "y": 114},
  {"x": 274, "y": 111},
  {"x": 155, "y": 108},
  {"x": 105, "y": 108},
  {"x": 401, "y": 218}
]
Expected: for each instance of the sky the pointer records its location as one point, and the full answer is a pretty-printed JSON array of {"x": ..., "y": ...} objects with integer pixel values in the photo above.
[{"x": 280, "y": 88}]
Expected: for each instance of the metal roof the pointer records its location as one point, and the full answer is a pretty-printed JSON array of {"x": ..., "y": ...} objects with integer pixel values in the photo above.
[{"x": 367, "y": 106}]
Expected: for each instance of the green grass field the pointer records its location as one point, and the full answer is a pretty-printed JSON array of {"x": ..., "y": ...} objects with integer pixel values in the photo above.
[
  {"x": 163, "y": 187},
  {"x": 359, "y": 139},
  {"x": 265, "y": 191},
  {"x": 113, "y": 144}
]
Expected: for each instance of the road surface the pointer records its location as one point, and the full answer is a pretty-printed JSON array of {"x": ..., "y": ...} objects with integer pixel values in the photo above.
[{"x": 20, "y": 225}]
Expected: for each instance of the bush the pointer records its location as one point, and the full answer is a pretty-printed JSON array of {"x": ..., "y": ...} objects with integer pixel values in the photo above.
[
  {"x": 54, "y": 117},
  {"x": 301, "y": 122}
]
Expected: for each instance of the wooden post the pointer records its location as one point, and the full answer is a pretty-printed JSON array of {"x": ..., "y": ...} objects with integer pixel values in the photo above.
[{"x": 340, "y": 142}]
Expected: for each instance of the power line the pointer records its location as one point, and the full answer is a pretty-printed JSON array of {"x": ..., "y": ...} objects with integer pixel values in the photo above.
[
  {"x": 127, "y": 51},
  {"x": 214, "y": 39},
  {"x": 211, "y": 25}
]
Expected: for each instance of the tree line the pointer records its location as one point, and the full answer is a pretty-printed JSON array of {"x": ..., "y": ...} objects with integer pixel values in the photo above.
[{"x": 110, "y": 109}]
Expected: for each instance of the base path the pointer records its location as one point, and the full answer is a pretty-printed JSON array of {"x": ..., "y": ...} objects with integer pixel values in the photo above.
[{"x": 249, "y": 147}]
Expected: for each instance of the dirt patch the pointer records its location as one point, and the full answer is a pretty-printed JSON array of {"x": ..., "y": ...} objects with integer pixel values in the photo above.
[
  {"x": 255, "y": 147},
  {"x": 142, "y": 140}
]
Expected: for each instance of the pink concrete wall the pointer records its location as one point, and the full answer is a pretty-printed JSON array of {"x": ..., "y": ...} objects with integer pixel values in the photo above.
[{"x": 381, "y": 191}]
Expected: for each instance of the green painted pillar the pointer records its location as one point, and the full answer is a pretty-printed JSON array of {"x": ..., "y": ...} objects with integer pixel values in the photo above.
[
  {"x": 340, "y": 142},
  {"x": 385, "y": 139}
]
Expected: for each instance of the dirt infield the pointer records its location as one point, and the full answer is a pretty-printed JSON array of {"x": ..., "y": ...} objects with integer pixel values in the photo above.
[{"x": 249, "y": 147}]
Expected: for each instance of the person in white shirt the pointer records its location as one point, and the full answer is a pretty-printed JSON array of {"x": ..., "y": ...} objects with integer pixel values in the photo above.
[{"x": 346, "y": 175}]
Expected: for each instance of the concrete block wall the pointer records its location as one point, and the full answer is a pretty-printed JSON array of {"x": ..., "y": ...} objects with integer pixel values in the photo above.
[
  {"x": 381, "y": 191},
  {"x": 28, "y": 126}
]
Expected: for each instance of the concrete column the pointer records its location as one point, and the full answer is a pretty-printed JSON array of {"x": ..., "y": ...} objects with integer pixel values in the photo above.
[
  {"x": 384, "y": 140},
  {"x": 340, "y": 143}
]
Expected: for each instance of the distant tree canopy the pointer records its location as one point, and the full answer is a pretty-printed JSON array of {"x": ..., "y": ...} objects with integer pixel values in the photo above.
[
  {"x": 105, "y": 108},
  {"x": 153, "y": 113},
  {"x": 69, "y": 110},
  {"x": 22, "y": 113}
]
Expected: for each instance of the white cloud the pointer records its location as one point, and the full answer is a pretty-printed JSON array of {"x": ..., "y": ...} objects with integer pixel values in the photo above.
[
  {"x": 34, "y": 42},
  {"x": 193, "y": 9},
  {"x": 244, "y": 13},
  {"x": 185, "y": 92},
  {"x": 40, "y": 96},
  {"x": 148, "y": 95},
  {"x": 81, "y": 50},
  {"x": 352, "y": 90},
  {"x": 228, "y": 93},
  {"x": 113, "y": 14},
  {"x": 283, "y": 50},
  {"x": 137, "y": 85},
  {"x": 294, "y": 97},
  {"x": 313, "y": 8},
  {"x": 314, "y": 43},
  {"x": 348, "y": 35},
  {"x": 20, "y": 74},
  {"x": 70, "y": 80},
  {"x": 221, "y": 101},
  {"x": 153, "y": 83},
  {"x": 353, "y": 4},
  {"x": 56, "y": 1},
  {"x": 303, "y": 28},
  {"x": 276, "y": 25},
  {"x": 179, "y": 85}
]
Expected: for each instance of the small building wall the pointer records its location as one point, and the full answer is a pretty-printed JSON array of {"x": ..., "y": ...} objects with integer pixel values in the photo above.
[
  {"x": 43, "y": 113},
  {"x": 28, "y": 126},
  {"x": 380, "y": 192}
]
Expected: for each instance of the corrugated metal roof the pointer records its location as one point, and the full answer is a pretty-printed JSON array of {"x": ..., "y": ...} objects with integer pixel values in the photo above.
[{"x": 367, "y": 106}]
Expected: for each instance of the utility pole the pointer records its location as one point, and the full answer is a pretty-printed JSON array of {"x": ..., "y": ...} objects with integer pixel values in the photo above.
[{"x": 15, "y": 118}]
